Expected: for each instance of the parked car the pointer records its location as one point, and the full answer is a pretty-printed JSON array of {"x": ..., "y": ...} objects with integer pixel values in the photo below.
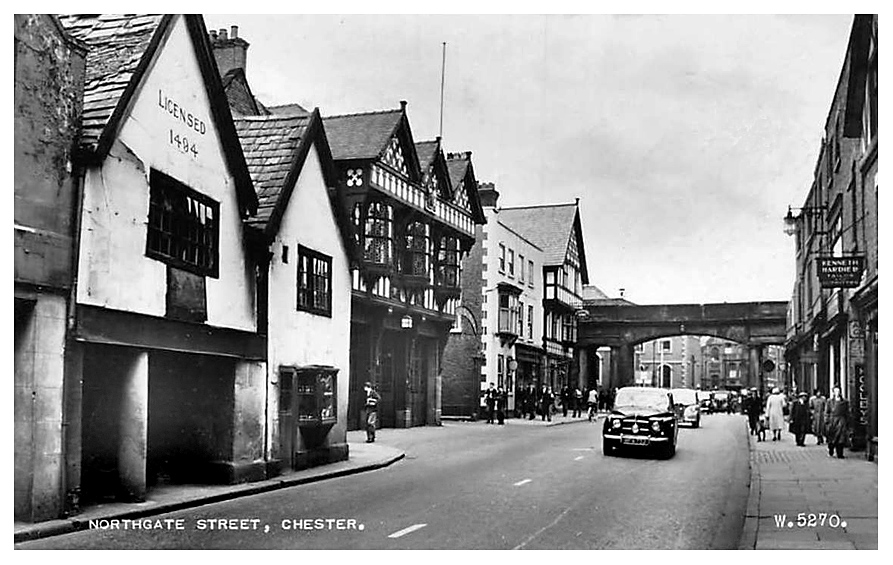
[
  {"x": 642, "y": 418},
  {"x": 688, "y": 408}
]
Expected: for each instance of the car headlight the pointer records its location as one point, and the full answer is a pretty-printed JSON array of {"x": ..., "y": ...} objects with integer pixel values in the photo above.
[
  {"x": 691, "y": 410},
  {"x": 655, "y": 426},
  {"x": 615, "y": 424}
]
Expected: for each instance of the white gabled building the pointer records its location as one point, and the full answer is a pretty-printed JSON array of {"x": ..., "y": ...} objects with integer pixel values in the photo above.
[{"x": 165, "y": 368}]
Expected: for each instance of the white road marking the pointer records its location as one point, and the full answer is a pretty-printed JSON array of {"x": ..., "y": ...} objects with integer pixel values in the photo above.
[
  {"x": 408, "y": 530},
  {"x": 524, "y": 482},
  {"x": 578, "y": 458}
]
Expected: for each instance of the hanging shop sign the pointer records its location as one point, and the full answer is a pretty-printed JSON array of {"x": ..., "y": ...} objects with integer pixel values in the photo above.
[{"x": 840, "y": 272}]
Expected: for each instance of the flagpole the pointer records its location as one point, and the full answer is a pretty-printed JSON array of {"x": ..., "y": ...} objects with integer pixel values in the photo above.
[{"x": 442, "y": 77}]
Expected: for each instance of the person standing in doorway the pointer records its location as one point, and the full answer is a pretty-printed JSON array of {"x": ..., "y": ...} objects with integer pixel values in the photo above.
[
  {"x": 800, "y": 419},
  {"x": 837, "y": 422},
  {"x": 817, "y": 407},
  {"x": 371, "y": 408},
  {"x": 775, "y": 406},
  {"x": 490, "y": 398}
]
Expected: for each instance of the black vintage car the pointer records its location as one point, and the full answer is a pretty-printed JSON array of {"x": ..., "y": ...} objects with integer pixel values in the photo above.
[{"x": 642, "y": 418}]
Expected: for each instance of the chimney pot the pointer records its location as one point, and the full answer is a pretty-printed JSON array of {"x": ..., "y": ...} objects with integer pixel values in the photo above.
[
  {"x": 468, "y": 155},
  {"x": 234, "y": 32},
  {"x": 223, "y": 34},
  {"x": 403, "y": 105},
  {"x": 488, "y": 194},
  {"x": 213, "y": 34}
]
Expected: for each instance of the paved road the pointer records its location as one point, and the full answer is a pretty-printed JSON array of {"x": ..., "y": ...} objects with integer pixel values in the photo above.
[{"x": 474, "y": 486}]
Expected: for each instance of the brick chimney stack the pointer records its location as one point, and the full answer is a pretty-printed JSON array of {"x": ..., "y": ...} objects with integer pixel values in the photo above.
[
  {"x": 488, "y": 194},
  {"x": 230, "y": 50}
]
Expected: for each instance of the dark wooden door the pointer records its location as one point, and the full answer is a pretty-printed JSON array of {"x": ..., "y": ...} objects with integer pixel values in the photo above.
[
  {"x": 419, "y": 364},
  {"x": 287, "y": 423}
]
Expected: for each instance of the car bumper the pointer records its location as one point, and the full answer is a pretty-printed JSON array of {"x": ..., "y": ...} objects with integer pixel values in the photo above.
[{"x": 621, "y": 437}]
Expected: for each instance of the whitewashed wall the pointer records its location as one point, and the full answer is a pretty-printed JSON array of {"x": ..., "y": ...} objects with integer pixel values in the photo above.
[{"x": 113, "y": 269}]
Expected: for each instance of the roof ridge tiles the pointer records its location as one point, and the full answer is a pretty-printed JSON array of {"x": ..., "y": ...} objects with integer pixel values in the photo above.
[
  {"x": 528, "y": 206},
  {"x": 369, "y": 113}
]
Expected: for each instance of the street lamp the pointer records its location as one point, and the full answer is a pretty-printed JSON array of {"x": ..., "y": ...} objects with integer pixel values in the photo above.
[{"x": 791, "y": 222}]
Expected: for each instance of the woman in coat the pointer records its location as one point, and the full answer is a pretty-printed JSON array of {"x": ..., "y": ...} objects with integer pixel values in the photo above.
[
  {"x": 800, "y": 419},
  {"x": 837, "y": 418},
  {"x": 775, "y": 410},
  {"x": 817, "y": 407}
]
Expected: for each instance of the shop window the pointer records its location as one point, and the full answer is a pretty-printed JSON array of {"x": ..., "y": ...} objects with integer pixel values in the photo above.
[
  {"x": 316, "y": 391},
  {"x": 508, "y": 313},
  {"x": 183, "y": 227},
  {"x": 378, "y": 234},
  {"x": 314, "y": 282},
  {"x": 530, "y": 322},
  {"x": 500, "y": 370}
]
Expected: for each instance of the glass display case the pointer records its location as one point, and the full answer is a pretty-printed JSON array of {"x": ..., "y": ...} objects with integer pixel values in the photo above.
[{"x": 316, "y": 395}]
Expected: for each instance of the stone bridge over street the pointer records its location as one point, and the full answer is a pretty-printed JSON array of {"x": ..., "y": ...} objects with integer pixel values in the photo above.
[{"x": 622, "y": 326}]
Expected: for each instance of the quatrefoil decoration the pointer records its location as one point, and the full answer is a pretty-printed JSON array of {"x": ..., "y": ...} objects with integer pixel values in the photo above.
[{"x": 354, "y": 177}]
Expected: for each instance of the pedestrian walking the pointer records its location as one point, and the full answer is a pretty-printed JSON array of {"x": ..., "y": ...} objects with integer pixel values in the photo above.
[
  {"x": 371, "y": 409},
  {"x": 800, "y": 419},
  {"x": 817, "y": 407},
  {"x": 565, "y": 399},
  {"x": 490, "y": 399},
  {"x": 578, "y": 402},
  {"x": 837, "y": 422},
  {"x": 593, "y": 403},
  {"x": 546, "y": 400},
  {"x": 753, "y": 407},
  {"x": 775, "y": 407}
]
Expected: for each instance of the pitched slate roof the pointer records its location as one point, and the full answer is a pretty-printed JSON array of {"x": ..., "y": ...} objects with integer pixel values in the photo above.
[
  {"x": 292, "y": 109},
  {"x": 116, "y": 47},
  {"x": 457, "y": 168},
  {"x": 269, "y": 144},
  {"x": 549, "y": 226},
  {"x": 427, "y": 152},
  {"x": 361, "y": 136}
]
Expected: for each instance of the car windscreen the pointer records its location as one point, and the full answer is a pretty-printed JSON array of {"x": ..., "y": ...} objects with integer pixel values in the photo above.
[
  {"x": 652, "y": 399},
  {"x": 684, "y": 396}
]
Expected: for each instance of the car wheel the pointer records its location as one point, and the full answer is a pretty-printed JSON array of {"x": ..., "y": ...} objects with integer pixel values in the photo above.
[
  {"x": 697, "y": 423},
  {"x": 608, "y": 447},
  {"x": 669, "y": 450}
]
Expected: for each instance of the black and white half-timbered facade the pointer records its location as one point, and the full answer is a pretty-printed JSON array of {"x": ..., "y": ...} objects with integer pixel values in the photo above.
[{"x": 412, "y": 226}]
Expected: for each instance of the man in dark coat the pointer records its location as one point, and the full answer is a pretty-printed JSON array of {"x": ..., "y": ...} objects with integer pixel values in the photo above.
[
  {"x": 502, "y": 401},
  {"x": 565, "y": 399},
  {"x": 800, "y": 419},
  {"x": 837, "y": 422},
  {"x": 546, "y": 400},
  {"x": 371, "y": 411},
  {"x": 531, "y": 402},
  {"x": 490, "y": 399},
  {"x": 753, "y": 407},
  {"x": 817, "y": 406}
]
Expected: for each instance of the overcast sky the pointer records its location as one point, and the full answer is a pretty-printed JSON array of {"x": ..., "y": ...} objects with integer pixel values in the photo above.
[{"x": 685, "y": 137}]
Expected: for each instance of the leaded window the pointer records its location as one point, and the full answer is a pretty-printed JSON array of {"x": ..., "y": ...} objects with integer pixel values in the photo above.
[
  {"x": 378, "y": 243},
  {"x": 447, "y": 273},
  {"x": 416, "y": 253},
  {"x": 183, "y": 227},
  {"x": 461, "y": 197}
]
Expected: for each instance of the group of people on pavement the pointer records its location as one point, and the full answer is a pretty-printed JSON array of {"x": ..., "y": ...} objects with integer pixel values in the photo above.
[
  {"x": 531, "y": 402},
  {"x": 826, "y": 418}
]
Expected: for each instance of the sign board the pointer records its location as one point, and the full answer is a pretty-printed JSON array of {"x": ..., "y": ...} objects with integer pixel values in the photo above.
[
  {"x": 768, "y": 365},
  {"x": 856, "y": 331},
  {"x": 840, "y": 272}
]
